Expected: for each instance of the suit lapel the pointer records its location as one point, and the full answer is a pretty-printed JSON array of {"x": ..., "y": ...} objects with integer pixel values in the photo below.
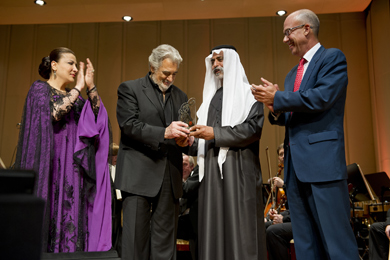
[
  {"x": 289, "y": 86},
  {"x": 305, "y": 79},
  {"x": 151, "y": 95},
  {"x": 311, "y": 67}
]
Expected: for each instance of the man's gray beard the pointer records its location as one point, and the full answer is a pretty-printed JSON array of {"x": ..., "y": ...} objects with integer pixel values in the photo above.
[
  {"x": 160, "y": 84},
  {"x": 220, "y": 75}
]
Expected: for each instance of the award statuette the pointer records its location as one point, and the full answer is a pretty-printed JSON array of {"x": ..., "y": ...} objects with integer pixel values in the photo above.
[{"x": 187, "y": 112}]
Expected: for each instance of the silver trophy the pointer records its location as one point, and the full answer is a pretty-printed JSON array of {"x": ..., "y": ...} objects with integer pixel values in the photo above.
[{"x": 187, "y": 112}]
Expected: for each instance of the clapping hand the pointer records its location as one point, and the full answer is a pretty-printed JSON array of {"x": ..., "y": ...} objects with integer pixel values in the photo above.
[
  {"x": 89, "y": 75},
  {"x": 80, "y": 77},
  {"x": 265, "y": 93}
]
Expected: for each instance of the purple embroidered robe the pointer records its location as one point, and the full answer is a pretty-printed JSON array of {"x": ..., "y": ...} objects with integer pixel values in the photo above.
[{"x": 69, "y": 157}]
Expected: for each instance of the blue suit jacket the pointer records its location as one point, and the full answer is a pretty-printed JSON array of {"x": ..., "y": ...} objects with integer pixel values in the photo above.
[{"x": 314, "y": 134}]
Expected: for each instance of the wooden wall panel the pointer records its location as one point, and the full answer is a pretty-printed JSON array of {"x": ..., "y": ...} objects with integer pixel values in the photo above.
[
  {"x": 284, "y": 61},
  {"x": 198, "y": 39},
  {"x": 120, "y": 52},
  {"x": 260, "y": 49},
  {"x": 139, "y": 41},
  {"x": 83, "y": 40},
  {"x": 358, "y": 115},
  {"x": 279, "y": 62},
  {"x": 233, "y": 32},
  {"x": 261, "y": 62},
  {"x": 378, "y": 36},
  {"x": 174, "y": 33},
  {"x": 330, "y": 31},
  {"x": 46, "y": 38},
  {"x": 109, "y": 69},
  {"x": 5, "y": 32},
  {"x": 18, "y": 81}
]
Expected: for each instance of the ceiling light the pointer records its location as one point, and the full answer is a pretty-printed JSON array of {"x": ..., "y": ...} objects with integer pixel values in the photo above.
[
  {"x": 127, "y": 18},
  {"x": 281, "y": 12},
  {"x": 40, "y": 2}
]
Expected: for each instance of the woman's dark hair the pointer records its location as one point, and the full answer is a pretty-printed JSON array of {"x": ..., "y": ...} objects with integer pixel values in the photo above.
[{"x": 45, "y": 66}]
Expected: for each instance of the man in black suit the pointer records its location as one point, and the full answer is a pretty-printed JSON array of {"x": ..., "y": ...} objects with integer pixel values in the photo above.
[{"x": 149, "y": 165}]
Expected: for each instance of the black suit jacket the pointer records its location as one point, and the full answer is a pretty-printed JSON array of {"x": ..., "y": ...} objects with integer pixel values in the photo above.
[{"x": 143, "y": 152}]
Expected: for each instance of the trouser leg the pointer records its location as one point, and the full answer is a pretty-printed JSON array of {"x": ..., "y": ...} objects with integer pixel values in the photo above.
[
  {"x": 378, "y": 242},
  {"x": 136, "y": 227},
  {"x": 278, "y": 241},
  {"x": 164, "y": 222}
]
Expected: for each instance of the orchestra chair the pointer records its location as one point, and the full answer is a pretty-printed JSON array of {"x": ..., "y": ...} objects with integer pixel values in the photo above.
[
  {"x": 183, "y": 249},
  {"x": 292, "y": 250},
  {"x": 388, "y": 258}
]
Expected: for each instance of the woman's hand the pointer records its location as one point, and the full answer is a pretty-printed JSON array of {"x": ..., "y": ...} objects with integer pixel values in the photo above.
[
  {"x": 80, "y": 77},
  {"x": 89, "y": 75}
]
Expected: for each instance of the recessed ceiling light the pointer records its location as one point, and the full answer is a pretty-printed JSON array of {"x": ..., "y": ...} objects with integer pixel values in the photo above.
[
  {"x": 127, "y": 18},
  {"x": 40, "y": 2},
  {"x": 281, "y": 12}
]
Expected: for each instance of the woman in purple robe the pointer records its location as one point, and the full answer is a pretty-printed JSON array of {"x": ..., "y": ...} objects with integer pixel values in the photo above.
[{"x": 65, "y": 140}]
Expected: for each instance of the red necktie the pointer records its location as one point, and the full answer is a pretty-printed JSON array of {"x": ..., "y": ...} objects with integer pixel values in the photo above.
[{"x": 298, "y": 78}]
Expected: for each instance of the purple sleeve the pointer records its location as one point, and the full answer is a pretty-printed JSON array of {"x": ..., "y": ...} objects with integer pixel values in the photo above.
[{"x": 94, "y": 136}]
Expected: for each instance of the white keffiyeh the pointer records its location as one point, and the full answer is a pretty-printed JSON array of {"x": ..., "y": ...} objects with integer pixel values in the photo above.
[{"x": 237, "y": 100}]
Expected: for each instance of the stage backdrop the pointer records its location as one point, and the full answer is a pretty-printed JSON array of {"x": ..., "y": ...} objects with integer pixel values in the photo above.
[{"x": 119, "y": 52}]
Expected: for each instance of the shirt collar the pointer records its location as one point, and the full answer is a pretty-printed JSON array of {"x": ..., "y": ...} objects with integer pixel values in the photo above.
[
  {"x": 310, "y": 54},
  {"x": 151, "y": 80}
]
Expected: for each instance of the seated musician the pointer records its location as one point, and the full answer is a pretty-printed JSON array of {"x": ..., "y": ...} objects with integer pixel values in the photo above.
[
  {"x": 188, "y": 218},
  {"x": 379, "y": 239},
  {"x": 278, "y": 230},
  {"x": 278, "y": 226},
  {"x": 280, "y": 153}
]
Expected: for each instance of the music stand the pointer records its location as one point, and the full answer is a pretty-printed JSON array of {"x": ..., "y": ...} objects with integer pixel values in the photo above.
[
  {"x": 2, "y": 165},
  {"x": 360, "y": 190},
  {"x": 380, "y": 183}
]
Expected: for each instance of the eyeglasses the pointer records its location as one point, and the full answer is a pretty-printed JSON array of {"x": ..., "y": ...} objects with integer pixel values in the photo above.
[{"x": 288, "y": 31}]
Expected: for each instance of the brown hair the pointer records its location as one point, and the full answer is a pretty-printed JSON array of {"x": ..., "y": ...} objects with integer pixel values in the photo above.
[{"x": 45, "y": 66}]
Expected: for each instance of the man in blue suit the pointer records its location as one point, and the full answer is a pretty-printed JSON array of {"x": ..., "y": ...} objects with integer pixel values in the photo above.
[{"x": 311, "y": 108}]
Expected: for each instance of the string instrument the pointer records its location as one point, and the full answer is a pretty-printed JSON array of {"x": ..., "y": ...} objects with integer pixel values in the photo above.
[
  {"x": 281, "y": 197},
  {"x": 276, "y": 199},
  {"x": 270, "y": 201}
]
